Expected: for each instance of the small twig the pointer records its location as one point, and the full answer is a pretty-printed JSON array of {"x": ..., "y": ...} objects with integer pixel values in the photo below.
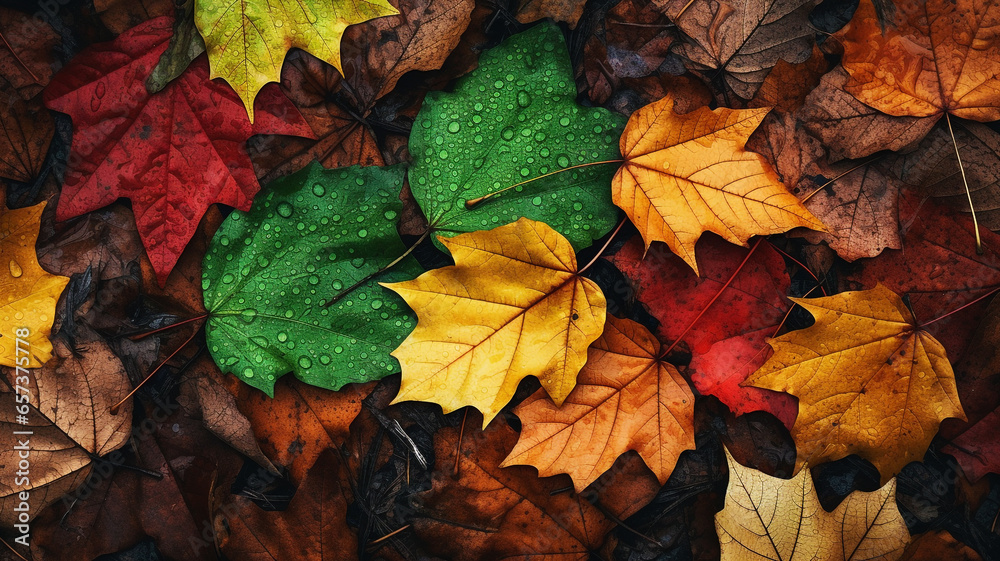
[{"x": 116, "y": 407}]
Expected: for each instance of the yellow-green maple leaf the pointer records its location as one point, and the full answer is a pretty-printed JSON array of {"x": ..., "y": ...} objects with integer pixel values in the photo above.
[{"x": 247, "y": 39}]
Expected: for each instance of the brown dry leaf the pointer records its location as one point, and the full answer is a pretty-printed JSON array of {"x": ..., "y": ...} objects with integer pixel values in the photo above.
[
  {"x": 29, "y": 62},
  {"x": 26, "y": 129},
  {"x": 787, "y": 85},
  {"x": 688, "y": 174},
  {"x": 851, "y": 129},
  {"x": 626, "y": 398},
  {"x": 487, "y": 512},
  {"x": 767, "y": 518},
  {"x": 340, "y": 111},
  {"x": 343, "y": 138},
  {"x": 635, "y": 42},
  {"x": 219, "y": 412},
  {"x": 300, "y": 421},
  {"x": 314, "y": 526},
  {"x": 869, "y": 380},
  {"x": 568, "y": 11},
  {"x": 70, "y": 400},
  {"x": 857, "y": 201},
  {"x": 942, "y": 56},
  {"x": 118, "y": 507},
  {"x": 933, "y": 167},
  {"x": 420, "y": 38},
  {"x": 938, "y": 546},
  {"x": 737, "y": 43},
  {"x": 512, "y": 306},
  {"x": 120, "y": 15},
  {"x": 105, "y": 240}
]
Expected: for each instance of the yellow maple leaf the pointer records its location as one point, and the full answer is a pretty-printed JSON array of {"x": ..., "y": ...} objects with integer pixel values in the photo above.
[
  {"x": 869, "y": 380},
  {"x": 247, "y": 39},
  {"x": 625, "y": 398},
  {"x": 688, "y": 174},
  {"x": 511, "y": 306},
  {"x": 768, "y": 518},
  {"x": 29, "y": 293}
]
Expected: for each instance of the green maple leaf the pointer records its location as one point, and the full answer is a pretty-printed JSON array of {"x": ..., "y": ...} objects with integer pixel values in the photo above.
[
  {"x": 269, "y": 274},
  {"x": 515, "y": 118},
  {"x": 247, "y": 39}
]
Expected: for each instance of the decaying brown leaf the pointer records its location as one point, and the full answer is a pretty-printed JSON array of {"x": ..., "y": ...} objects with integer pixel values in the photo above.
[
  {"x": 70, "y": 398},
  {"x": 737, "y": 43},
  {"x": 26, "y": 129},
  {"x": 851, "y": 129}
]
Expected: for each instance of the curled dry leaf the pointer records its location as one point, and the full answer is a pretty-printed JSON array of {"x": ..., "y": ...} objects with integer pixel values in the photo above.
[
  {"x": 737, "y": 43},
  {"x": 767, "y": 518},
  {"x": 688, "y": 174},
  {"x": 70, "y": 397},
  {"x": 869, "y": 380},
  {"x": 30, "y": 292},
  {"x": 512, "y": 306},
  {"x": 626, "y": 398},
  {"x": 247, "y": 40}
]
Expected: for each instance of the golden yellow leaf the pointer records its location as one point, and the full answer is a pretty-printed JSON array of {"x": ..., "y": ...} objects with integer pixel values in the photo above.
[
  {"x": 774, "y": 519},
  {"x": 942, "y": 56},
  {"x": 626, "y": 398},
  {"x": 869, "y": 380},
  {"x": 28, "y": 294},
  {"x": 511, "y": 306},
  {"x": 247, "y": 39},
  {"x": 688, "y": 174}
]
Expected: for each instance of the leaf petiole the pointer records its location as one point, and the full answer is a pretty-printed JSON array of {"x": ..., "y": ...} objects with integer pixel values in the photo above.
[
  {"x": 965, "y": 182},
  {"x": 395, "y": 262},
  {"x": 473, "y": 203}
]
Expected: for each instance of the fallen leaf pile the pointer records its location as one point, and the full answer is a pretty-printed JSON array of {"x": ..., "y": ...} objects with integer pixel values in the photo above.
[{"x": 469, "y": 279}]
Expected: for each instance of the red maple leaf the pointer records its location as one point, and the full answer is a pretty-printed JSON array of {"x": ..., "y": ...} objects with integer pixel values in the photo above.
[
  {"x": 172, "y": 153},
  {"x": 726, "y": 337}
]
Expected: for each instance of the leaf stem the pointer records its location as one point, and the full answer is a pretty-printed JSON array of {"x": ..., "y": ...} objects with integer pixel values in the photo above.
[
  {"x": 827, "y": 184},
  {"x": 604, "y": 247},
  {"x": 395, "y": 262},
  {"x": 968, "y": 194},
  {"x": 472, "y": 203},
  {"x": 18, "y": 59},
  {"x": 712, "y": 301},
  {"x": 804, "y": 268},
  {"x": 960, "y": 308},
  {"x": 139, "y": 336},
  {"x": 116, "y": 407}
]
